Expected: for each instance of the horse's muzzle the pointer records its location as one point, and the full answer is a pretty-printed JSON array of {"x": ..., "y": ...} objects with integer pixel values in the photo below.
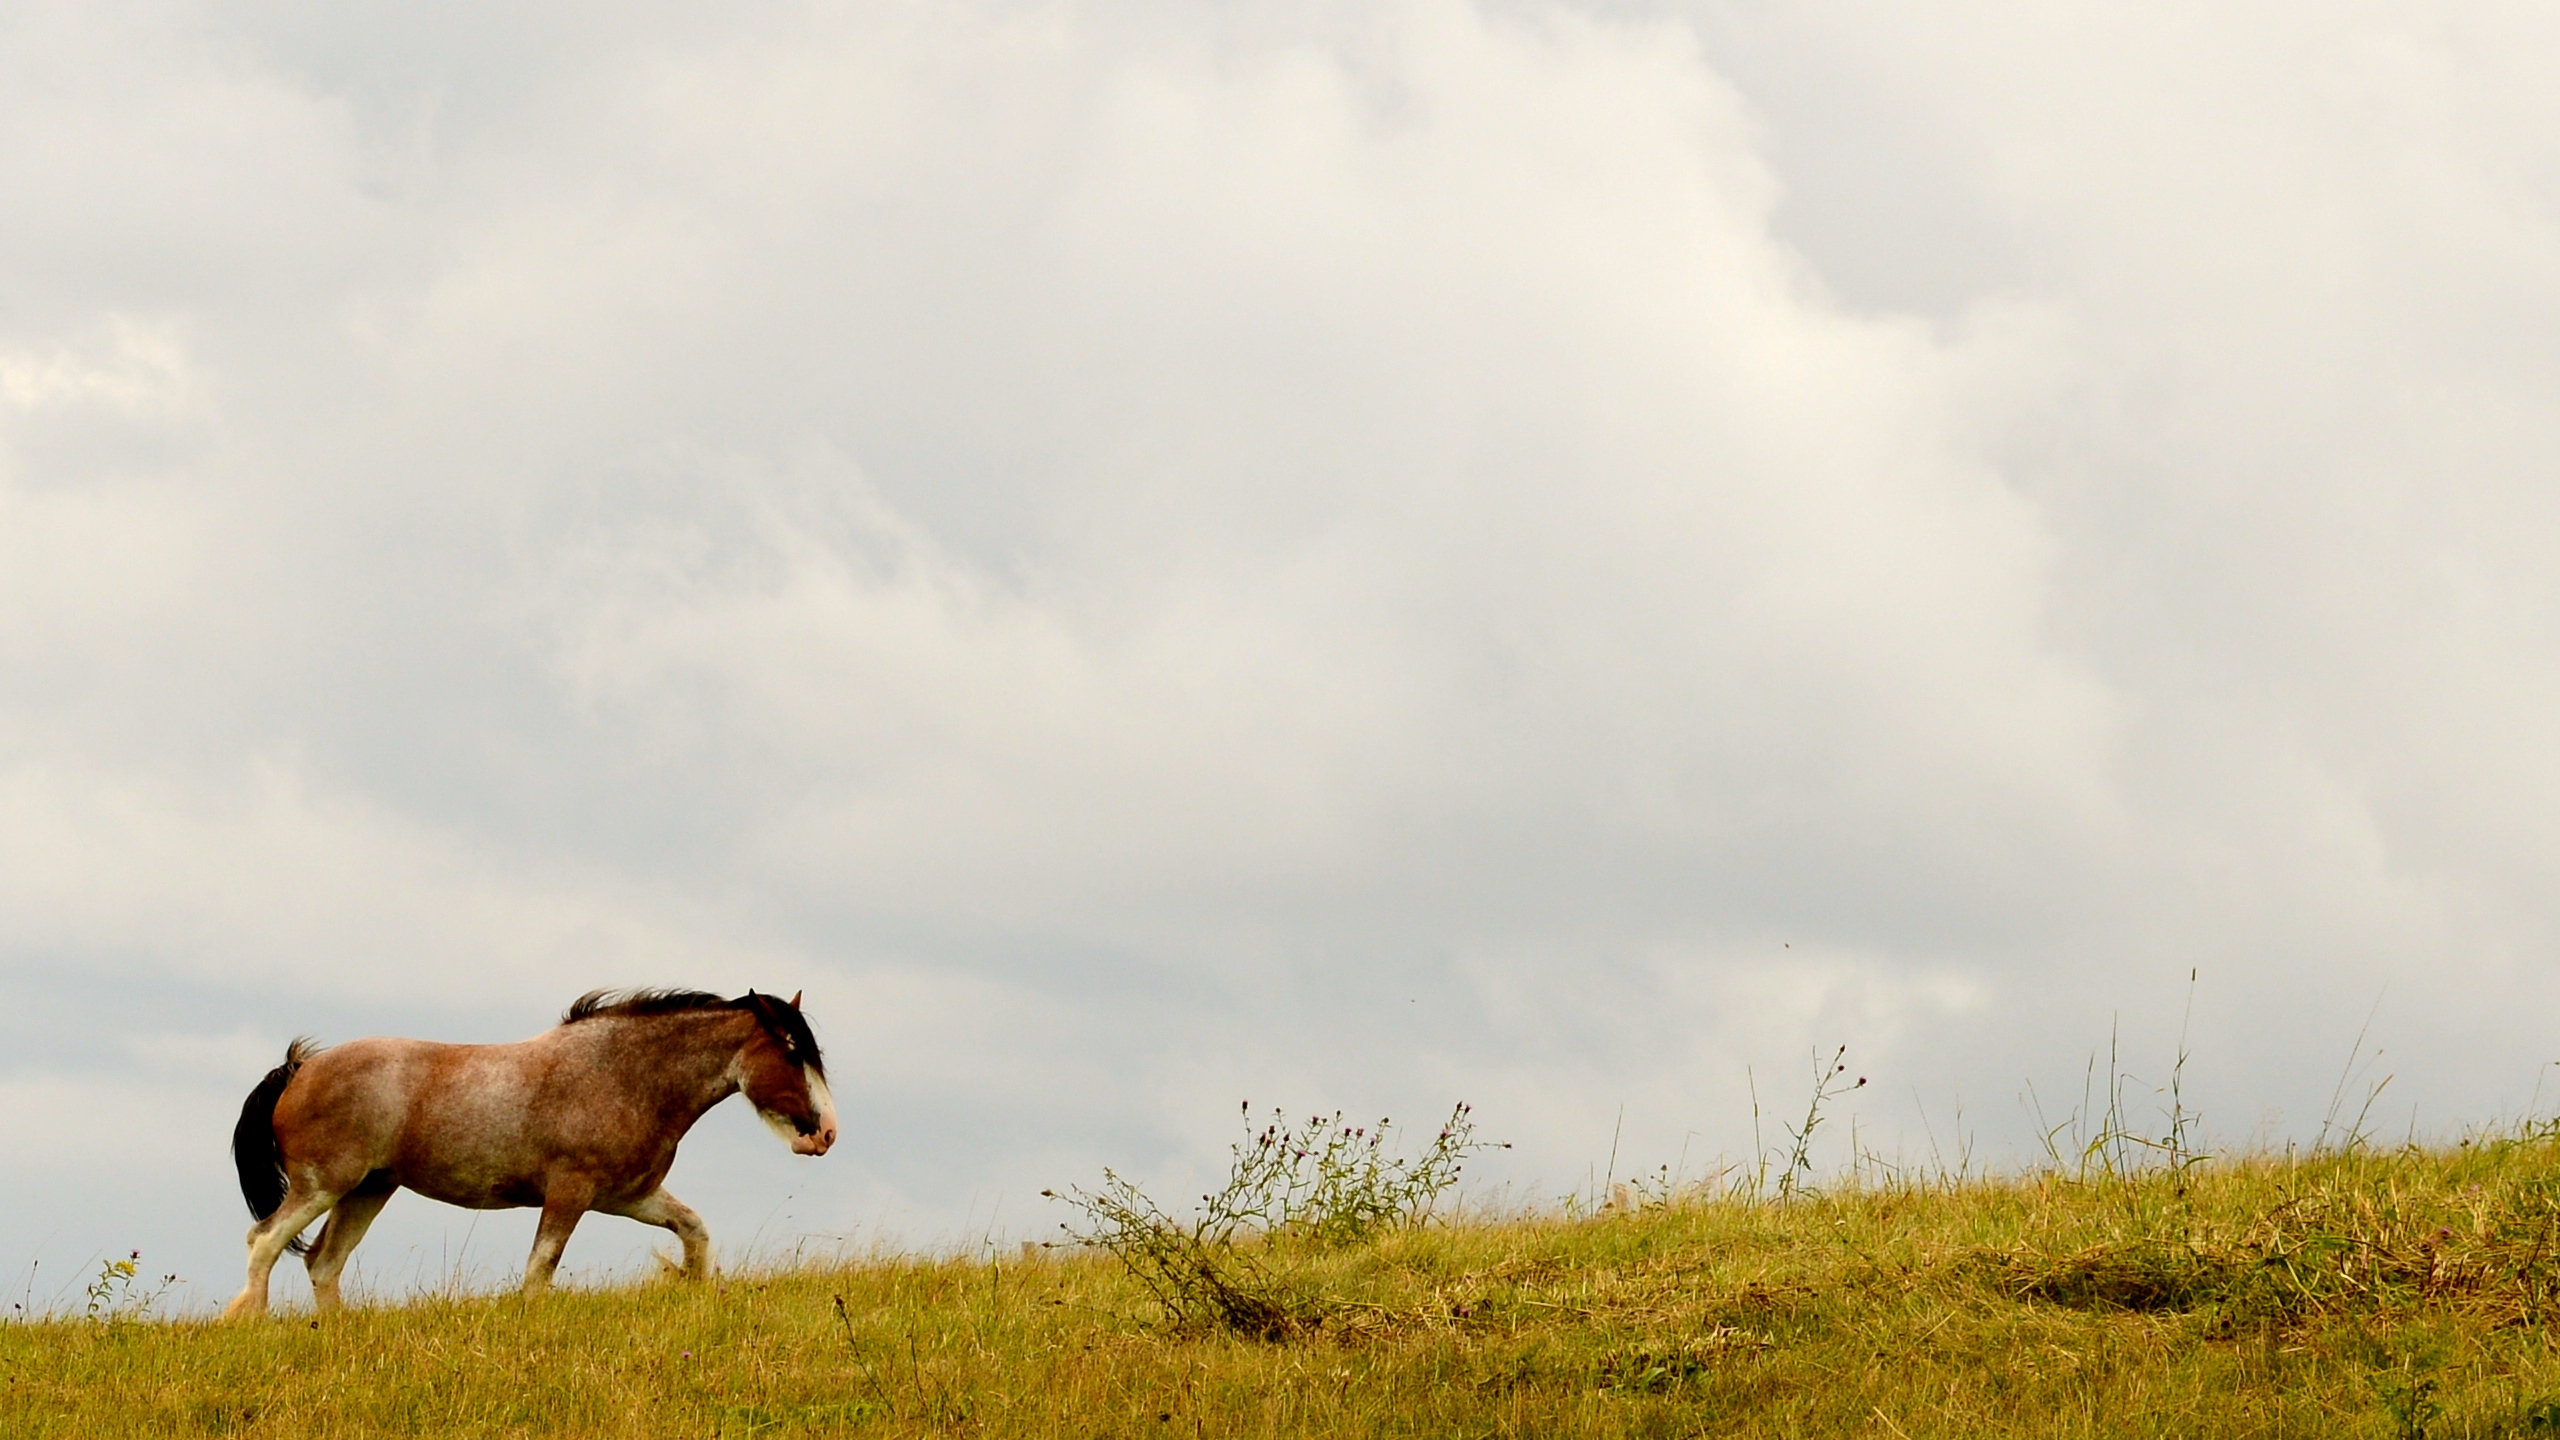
[{"x": 818, "y": 1141}]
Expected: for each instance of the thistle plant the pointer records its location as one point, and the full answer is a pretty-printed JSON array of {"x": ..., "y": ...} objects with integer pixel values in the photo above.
[
  {"x": 1316, "y": 1182},
  {"x": 118, "y": 1292},
  {"x": 1830, "y": 1082}
]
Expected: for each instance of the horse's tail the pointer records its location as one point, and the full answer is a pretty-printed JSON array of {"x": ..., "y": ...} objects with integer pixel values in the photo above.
[{"x": 253, "y": 1141}]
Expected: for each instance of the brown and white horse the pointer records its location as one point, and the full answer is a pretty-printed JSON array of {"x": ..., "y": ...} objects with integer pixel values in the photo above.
[{"x": 582, "y": 1117}]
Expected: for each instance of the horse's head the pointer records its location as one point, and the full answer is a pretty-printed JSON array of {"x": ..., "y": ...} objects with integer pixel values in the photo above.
[{"x": 784, "y": 1077}]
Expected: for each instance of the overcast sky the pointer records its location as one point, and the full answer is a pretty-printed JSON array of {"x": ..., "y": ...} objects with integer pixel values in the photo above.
[{"x": 1153, "y": 555}]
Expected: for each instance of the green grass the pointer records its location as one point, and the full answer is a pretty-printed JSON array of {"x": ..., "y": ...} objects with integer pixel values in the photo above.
[{"x": 2398, "y": 1294}]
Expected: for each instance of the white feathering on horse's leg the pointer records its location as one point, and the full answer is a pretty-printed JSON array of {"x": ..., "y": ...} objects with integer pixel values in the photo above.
[
  {"x": 267, "y": 1241},
  {"x": 662, "y": 1209}
]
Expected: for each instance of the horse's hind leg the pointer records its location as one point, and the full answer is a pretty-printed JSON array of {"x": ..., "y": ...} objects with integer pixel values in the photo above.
[
  {"x": 338, "y": 1238},
  {"x": 267, "y": 1239},
  {"x": 660, "y": 1208}
]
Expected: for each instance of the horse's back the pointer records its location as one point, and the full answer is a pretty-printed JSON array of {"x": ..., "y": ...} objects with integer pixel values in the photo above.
[
  {"x": 359, "y": 1092},
  {"x": 363, "y": 1101},
  {"x": 455, "y": 1122}
]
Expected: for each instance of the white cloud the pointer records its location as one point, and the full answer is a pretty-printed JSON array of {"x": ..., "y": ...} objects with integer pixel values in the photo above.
[{"x": 250, "y": 880}]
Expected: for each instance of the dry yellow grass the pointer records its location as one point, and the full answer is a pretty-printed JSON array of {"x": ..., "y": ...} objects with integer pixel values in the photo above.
[{"x": 2388, "y": 1295}]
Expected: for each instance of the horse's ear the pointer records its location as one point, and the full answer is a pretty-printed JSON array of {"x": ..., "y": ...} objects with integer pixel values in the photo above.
[{"x": 795, "y": 998}]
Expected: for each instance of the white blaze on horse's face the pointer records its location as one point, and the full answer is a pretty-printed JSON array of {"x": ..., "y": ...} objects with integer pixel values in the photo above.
[{"x": 823, "y": 1101}]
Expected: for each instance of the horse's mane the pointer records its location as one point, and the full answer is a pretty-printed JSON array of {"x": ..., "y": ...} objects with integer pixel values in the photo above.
[
  {"x": 777, "y": 1015},
  {"x": 596, "y": 1003}
]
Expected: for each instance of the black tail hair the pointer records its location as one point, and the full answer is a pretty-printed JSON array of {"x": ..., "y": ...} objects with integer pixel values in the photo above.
[{"x": 253, "y": 1141}]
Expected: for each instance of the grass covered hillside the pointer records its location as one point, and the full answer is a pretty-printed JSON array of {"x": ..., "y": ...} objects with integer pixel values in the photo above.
[{"x": 2384, "y": 1294}]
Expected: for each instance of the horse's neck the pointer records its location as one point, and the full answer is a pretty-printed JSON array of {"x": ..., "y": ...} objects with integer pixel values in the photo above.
[{"x": 688, "y": 1065}]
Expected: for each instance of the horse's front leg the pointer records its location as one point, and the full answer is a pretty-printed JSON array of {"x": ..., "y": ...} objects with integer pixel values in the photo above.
[
  {"x": 562, "y": 1204},
  {"x": 660, "y": 1208}
]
